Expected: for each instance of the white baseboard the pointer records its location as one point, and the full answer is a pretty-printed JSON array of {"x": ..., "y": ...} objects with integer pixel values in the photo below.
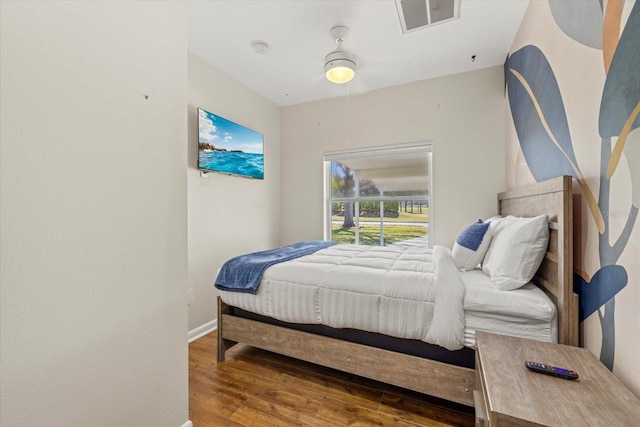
[
  {"x": 188, "y": 424},
  {"x": 203, "y": 330}
]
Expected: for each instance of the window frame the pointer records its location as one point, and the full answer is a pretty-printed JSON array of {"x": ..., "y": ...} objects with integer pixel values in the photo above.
[{"x": 418, "y": 147}]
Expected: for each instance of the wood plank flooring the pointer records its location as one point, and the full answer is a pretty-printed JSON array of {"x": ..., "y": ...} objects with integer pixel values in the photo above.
[{"x": 255, "y": 388}]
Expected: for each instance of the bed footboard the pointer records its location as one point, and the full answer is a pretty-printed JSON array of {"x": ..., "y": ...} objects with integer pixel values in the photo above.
[
  {"x": 426, "y": 376},
  {"x": 223, "y": 344}
]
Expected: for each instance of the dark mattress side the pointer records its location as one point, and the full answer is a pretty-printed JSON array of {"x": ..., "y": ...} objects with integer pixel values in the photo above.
[{"x": 465, "y": 357}]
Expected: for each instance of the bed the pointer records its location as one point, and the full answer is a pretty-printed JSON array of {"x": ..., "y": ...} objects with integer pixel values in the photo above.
[{"x": 411, "y": 363}]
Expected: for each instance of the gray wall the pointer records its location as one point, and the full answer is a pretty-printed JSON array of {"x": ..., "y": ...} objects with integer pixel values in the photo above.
[
  {"x": 93, "y": 228},
  {"x": 228, "y": 215},
  {"x": 463, "y": 115}
]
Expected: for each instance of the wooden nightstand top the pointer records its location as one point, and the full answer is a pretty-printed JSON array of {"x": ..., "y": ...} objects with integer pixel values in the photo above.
[{"x": 516, "y": 395}]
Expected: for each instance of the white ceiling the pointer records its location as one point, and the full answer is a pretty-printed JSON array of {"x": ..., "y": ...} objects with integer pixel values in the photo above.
[{"x": 297, "y": 32}]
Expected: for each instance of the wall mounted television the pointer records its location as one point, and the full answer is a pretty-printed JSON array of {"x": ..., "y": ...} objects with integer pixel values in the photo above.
[{"x": 227, "y": 147}]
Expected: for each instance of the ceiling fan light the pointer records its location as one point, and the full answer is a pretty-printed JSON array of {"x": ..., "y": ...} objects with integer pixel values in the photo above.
[
  {"x": 340, "y": 74},
  {"x": 340, "y": 71},
  {"x": 340, "y": 66}
]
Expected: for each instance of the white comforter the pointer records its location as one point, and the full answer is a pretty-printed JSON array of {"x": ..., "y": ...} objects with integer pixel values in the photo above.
[{"x": 404, "y": 292}]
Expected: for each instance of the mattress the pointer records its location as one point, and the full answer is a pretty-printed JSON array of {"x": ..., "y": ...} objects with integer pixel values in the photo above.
[
  {"x": 355, "y": 283},
  {"x": 526, "y": 312}
]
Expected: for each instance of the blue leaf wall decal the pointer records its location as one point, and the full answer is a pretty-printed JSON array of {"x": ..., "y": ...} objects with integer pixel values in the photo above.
[
  {"x": 544, "y": 158},
  {"x": 541, "y": 122},
  {"x": 580, "y": 20},
  {"x": 603, "y": 286},
  {"x": 632, "y": 153},
  {"x": 621, "y": 92}
]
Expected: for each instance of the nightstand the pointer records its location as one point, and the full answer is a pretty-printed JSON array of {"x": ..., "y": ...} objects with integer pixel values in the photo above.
[{"x": 509, "y": 394}]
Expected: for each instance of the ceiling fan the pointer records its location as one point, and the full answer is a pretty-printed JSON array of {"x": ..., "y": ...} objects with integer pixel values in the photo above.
[{"x": 340, "y": 64}]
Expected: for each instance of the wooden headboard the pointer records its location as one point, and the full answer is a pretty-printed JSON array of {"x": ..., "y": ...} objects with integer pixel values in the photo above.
[{"x": 555, "y": 275}]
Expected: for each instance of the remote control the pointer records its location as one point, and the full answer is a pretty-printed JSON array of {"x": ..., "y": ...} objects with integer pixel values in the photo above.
[{"x": 551, "y": 370}]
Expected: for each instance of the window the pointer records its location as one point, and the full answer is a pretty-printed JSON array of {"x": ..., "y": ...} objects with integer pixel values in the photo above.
[{"x": 379, "y": 196}]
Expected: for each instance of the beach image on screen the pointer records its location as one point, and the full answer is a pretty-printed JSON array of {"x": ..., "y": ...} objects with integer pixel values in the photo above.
[{"x": 225, "y": 146}]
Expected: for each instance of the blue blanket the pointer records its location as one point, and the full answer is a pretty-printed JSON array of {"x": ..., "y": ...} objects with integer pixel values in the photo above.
[{"x": 243, "y": 273}]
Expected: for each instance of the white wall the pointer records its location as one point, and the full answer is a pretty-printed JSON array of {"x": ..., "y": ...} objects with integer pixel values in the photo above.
[
  {"x": 93, "y": 214},
  {"x": 463, "y": 115},
  {"x": 228, "y": 215}
]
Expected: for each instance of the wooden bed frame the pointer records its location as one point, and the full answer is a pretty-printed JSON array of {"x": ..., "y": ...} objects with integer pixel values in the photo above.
[{"x": 450, "y": 382}]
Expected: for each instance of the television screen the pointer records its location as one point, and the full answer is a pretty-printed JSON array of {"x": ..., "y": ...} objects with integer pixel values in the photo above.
[{"x": 227, "y": 147}]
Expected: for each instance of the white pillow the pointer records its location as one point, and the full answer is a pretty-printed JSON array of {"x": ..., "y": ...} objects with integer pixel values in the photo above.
[
  {"x": 471, "y": 245},
  {"x": 516, "y": 251},
  {"x": 495, "y": 221}
]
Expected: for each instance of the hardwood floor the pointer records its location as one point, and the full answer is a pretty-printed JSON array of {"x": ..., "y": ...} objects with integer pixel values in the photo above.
[{"x": 255, "y": 388}]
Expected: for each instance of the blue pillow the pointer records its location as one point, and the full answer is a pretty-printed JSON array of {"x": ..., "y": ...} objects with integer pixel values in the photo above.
[{"x": 471, "y": 245}]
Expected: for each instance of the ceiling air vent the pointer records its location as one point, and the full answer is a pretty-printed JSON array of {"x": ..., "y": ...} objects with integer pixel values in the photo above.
[{"x": 417, "y": 14}]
